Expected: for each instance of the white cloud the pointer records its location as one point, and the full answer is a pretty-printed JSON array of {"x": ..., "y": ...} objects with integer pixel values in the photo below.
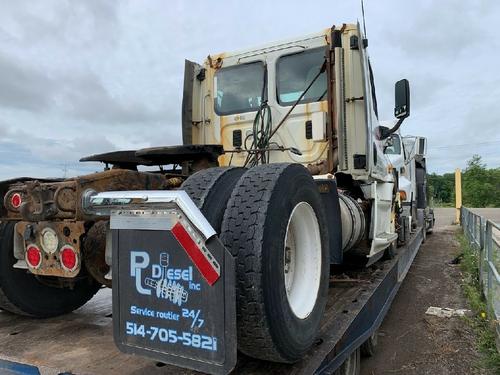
[{"x": 91, "y": 76}]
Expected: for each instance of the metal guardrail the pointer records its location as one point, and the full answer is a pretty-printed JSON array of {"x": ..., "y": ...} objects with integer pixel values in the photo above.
[{"x": 484, "y": 236}]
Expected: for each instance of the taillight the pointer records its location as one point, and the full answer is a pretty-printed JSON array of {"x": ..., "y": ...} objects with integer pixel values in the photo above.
[
  {"x": 68, "y": 258},
  {"x": 16, "y": 200},
  {"x": 33, "y": 256}
]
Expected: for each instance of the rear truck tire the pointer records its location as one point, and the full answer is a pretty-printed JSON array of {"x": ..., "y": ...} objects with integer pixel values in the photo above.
[
  {"x": 94, "y": 252},
  {"x": 21, "y": 293},
  {"x": 276, "y": 228},
  {"x": 369, "y": 347},
  {"x": 210, "y": 189},
  {"x": 351, "y": 365}
]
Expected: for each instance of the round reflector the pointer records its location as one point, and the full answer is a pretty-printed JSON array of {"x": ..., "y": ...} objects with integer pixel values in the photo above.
[
  {"x": 16, "y": 200},
  {"x": 68, "y": 258},
  {"x": 33, "y": 256},
  {"x": 49, "y": 240}
]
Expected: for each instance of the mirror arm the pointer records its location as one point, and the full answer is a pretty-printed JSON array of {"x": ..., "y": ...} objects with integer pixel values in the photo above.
[{"x": 384, "y": 134}]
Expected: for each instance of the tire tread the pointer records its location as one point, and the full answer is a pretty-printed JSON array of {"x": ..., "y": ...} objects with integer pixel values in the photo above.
[{"x": 242, "y": 233}]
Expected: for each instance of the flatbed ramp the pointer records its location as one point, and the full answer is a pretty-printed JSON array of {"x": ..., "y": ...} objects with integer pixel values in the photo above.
[{"x": 82, "y": 342}]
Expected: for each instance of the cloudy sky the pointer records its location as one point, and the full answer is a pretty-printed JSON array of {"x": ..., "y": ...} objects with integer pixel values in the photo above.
[{"x": 81, "y": 77}]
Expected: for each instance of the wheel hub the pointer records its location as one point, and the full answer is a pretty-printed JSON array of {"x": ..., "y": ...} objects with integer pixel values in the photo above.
[{"x": 302, "y": 260}]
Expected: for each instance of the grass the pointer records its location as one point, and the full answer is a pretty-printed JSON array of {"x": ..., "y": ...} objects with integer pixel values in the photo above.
[{"x": 479, "y": 321}]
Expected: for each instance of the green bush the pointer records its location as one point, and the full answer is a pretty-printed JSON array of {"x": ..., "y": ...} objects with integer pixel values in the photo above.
[{"x": 480, "y": 186}]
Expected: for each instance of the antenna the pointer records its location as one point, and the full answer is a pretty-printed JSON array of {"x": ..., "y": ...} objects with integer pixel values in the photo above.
[
  {"x": 363, "y": 13},
  {"x": 65, "y": 169}
]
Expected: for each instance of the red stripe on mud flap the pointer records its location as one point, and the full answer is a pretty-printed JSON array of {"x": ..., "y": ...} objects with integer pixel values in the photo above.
[{"x": 200, "y": 261}]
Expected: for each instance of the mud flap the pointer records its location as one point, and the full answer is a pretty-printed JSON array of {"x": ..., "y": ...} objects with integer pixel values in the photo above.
[{"x": 173, "y": 291}]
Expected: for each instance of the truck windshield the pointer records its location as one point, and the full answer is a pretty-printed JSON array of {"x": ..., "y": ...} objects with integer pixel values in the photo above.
[
  {"x": 239, "y": 88},
  {"x": 296, "y": 72},
  {"x": 395, "y": 148}
]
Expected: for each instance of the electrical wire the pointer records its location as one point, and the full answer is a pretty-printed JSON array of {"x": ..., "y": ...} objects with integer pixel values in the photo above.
[
  {"x": 261, "y": 132},
  {"x": 363, "y": 13},
  {"x": 258, "y": 152},
  {"x": 321, "y": 70}
]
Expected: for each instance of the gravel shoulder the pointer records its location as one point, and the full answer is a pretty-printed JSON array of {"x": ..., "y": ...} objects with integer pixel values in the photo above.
[{"x": 412, "y": 342}]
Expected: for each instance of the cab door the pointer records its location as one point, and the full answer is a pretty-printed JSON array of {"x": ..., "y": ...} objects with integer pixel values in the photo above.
[
  {"x": 306, "y": 126},
  {"x": 197, "y": 126}
]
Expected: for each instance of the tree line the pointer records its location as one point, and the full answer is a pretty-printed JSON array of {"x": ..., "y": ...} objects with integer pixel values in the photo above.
[{"x": 480, "y": 186}]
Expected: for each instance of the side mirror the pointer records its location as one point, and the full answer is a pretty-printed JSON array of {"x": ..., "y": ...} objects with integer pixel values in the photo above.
[{"x": 402, "y": 99}]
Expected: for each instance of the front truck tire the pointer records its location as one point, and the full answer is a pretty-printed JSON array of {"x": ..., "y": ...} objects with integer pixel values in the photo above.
[
  {"x": 276, "y": 227},
  {"x": 21, "y": 293}
]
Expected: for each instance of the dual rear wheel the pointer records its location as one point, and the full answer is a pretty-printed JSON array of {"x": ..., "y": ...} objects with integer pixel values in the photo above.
[{"x": 274, "y": 224}]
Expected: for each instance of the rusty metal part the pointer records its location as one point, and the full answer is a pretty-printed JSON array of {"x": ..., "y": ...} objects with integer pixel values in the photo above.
[
  {"x": 321, "y": 167},
  {"x": 93, "y": 252},
  {"x": 217, "y": 64},
  {"x": 68, "y": 232},
  {"x": 40, "y": 205},
  {"x": 332, "y": 123},
  {"x": 58, "y": 205},
  {"x": 6, "y": 210},
  {"x": 175, "y": 182},
  {"x": 7, "y": 206},
  {"x": 62, "y": 200}
]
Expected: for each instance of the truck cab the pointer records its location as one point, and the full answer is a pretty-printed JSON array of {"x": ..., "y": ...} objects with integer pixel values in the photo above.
[{"x": 310, "y": 101}]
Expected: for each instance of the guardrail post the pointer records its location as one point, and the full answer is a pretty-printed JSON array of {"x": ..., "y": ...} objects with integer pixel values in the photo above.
[
  {"x": 481, "y": 253},
  {"x": 462, "y": 217},
  {"x": 464, "y": 222},
  {"x": 482, "y": 229},
  {"x": 469, "y": 231},
  {"x": 489, "y": 239},
  {"x": 474, "y": 227}
]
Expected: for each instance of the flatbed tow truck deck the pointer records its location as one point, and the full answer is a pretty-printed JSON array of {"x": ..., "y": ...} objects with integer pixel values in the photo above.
[{"x": 82, "y": 342}]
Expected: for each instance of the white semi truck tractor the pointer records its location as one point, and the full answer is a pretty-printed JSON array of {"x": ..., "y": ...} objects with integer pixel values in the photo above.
[
  {"x": 303, "y": 178},
  {"x": 283, "y": 175},
  {"x": 408, "y": 155}
]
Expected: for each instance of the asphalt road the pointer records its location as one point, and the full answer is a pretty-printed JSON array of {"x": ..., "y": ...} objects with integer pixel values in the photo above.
[{"x": 446, "y": 216}]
